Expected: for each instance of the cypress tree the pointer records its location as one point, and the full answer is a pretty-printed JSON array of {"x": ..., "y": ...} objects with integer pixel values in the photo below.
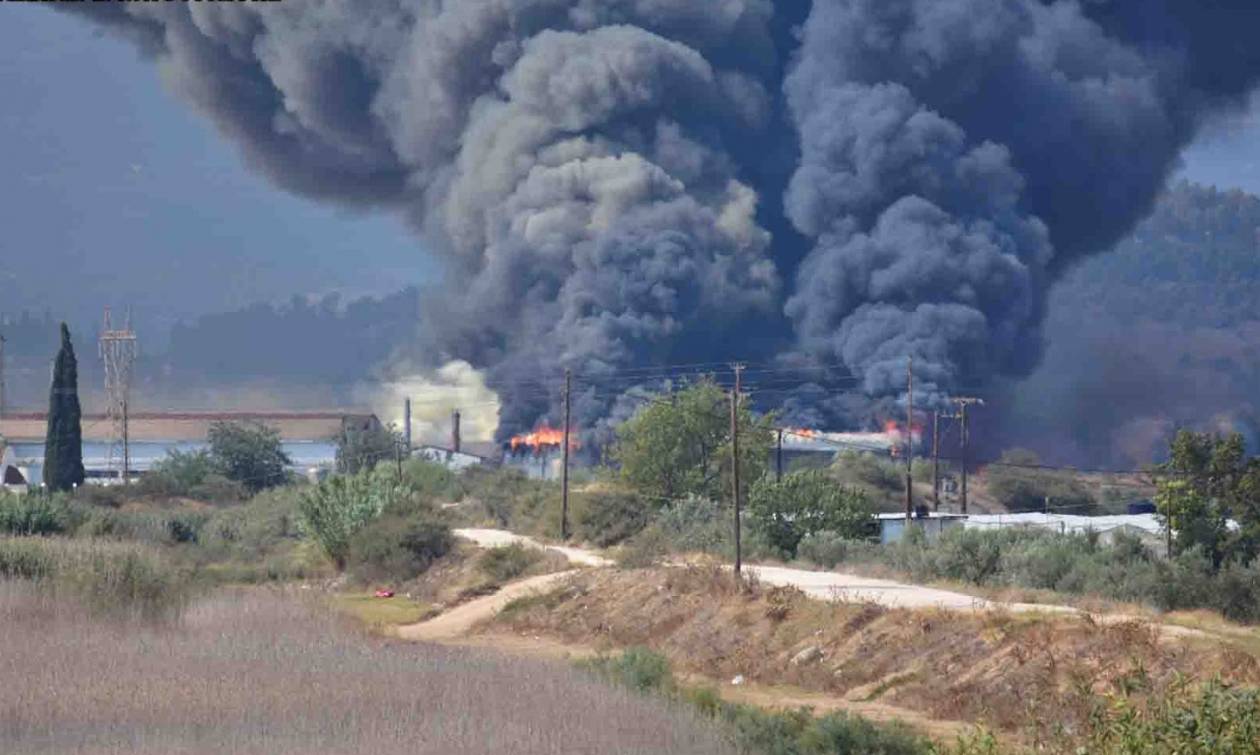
[{"x": 63, "y": 446}]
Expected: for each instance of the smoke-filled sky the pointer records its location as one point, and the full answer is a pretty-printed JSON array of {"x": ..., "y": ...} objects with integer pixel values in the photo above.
[
  {"x": 626, "y": 182},
  {"x": 116, "y": 192}
]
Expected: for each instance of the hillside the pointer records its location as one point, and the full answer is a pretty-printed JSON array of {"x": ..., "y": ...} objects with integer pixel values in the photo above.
[
  {"x": 1163, "y": 332},
  {"x": 1029, "y": 677}
]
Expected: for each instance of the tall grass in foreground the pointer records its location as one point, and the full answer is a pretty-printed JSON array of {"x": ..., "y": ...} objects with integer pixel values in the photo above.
[
  {"x": 258, "y": 673},
  {"x": 123, "y": 579}
]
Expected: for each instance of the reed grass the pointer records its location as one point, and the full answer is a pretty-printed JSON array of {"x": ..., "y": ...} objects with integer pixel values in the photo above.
[{"x": 258, "y": 671}]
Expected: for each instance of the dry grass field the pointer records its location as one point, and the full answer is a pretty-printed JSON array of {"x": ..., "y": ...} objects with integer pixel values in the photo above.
[{"x": 260, "y": 672}]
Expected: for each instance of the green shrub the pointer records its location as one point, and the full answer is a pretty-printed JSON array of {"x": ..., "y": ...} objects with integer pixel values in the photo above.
[
  {"x": 1124, "y": 569},
  {"x": 752, "y": 729},
  {"x": 507, "y": 498},
  {"x": 826, "y": 549},
  {"x": 109, "y": 577},
  {"x": 672, "y": 449},
  {"x": 336, "y": 509},
  {"x": 105, "y": 496},
  {"x": 966, "y": 556},
  {"x": 803, "y": 503},
  {"x": 638, "y": 668},
  {"x": 868, "y": 471},
  {"x": 269, "y": 522},
  {"x": 361, "y": 450},
  {"x": 191, "y": 475},
  {"x": 1236, "y": 592},
  {"x": 156, "y": 527},
  {"x": 26, "y": 558},
  {"x": 507, "y": 562},
  {"x": 33, "y": 514},
  {"x": 644, "y": 550},
  {"x": 695, "y": 524},
  {"x": 249, "y": 453},
  {"x": 433, "y": 480},
  {"x": 608, "y": 518},
  {"x": 1204, "y": 721},
  {"x": 397, "y": 549}
]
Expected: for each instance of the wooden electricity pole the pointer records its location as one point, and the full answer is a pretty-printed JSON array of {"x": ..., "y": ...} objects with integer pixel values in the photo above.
[
  {"x": 407, "y": 424},
  {"x": 778, "y": 459},
  {"x": 910, "y": 441},
  {"x": 936, "y": 460},
  {"x": 564, "y": 471},
  {"x": 739, "y": 370},
  {"x": 126, "y": 444},
  {"x": 963, "y": 403},
  {"x": 1, "y": 376},
  {"x": 397, "y": 456}
]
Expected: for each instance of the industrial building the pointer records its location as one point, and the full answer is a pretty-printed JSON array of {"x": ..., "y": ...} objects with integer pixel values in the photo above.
[
  {"x": 308, "y": 438},
  {"x": 1147, "y": 527}
]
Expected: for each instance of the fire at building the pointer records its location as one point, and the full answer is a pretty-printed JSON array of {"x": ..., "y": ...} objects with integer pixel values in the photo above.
[
  {"x": 538, "y": 454},
  {"x": 816, "y": 448}
]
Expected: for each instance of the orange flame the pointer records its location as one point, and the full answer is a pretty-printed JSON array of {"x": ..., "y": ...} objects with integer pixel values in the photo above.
[
  {"x": 802, "y": 432},
  {"x": 894, "y": 428},
  {"x": 541, "y": 438},
  {"x": 896, "y": 432}
]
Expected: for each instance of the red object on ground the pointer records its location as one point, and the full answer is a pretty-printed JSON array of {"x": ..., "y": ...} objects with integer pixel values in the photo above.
[{"x": 384, "y": 593}]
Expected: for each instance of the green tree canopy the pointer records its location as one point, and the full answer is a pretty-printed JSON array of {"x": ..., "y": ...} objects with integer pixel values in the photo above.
[
  {"x": 680, "y": 445},
  {"x": 1208, "y": 481},
  {"x": 805, "y": 503},
  {"x": 63, "y": 444},
  {"x": 249, "y": 453},
  {"x": 363, "y": 449}
]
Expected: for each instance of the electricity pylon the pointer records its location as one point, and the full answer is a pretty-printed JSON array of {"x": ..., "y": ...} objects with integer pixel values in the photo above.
[{"x": 118, "y": 351}]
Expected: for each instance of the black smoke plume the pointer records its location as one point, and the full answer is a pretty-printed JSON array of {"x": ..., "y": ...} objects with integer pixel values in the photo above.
[
  {"x": 617, "y": 182},
  {"x": 958, "y": 156}
]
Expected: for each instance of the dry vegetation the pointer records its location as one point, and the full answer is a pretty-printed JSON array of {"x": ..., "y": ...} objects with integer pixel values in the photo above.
[
  {"x": 259, "y": 672},
  {"x": 1038, "y": 678},
  {"x": 462, "y": 575}
]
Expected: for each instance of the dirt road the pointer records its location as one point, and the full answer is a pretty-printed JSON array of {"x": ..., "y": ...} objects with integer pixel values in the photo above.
[
  {"x": 458, "y": 621},
  {"x": 816, "y": 584},
  {"x": 499, "y": 538}
]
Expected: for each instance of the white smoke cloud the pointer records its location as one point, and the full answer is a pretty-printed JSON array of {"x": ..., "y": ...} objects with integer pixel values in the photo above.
[{"x": 434, "y": 396}]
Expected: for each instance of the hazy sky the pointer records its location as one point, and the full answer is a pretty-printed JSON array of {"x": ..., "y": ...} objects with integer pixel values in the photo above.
[
  {"x": 1228, "y": 153},
  {"x": 113, "y": 187}
]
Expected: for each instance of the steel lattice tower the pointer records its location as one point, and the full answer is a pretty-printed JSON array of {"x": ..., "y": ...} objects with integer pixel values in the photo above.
[{"x": 118, "y": 350}]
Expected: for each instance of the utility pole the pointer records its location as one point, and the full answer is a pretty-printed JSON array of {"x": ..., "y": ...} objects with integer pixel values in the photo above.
[
  {"x": 407, "y": 424},
  {"x": 2, "y": 376},
  {"x": 455, "y": 441},
  {"x": 118, "y": 349},
  {"x": 963, "y": 403},
  {"x": 778, "y": 459},
  {"x": 936, "y": 460},
  {"x": 1168, "y": 535},
  {"x": 126, "y": 444},
  {"x": 398, "y": 458},
  {"x": 909, "y": 441},
  {"x": 739, "y": 371},
  {"x": 564, "y": 472}
]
